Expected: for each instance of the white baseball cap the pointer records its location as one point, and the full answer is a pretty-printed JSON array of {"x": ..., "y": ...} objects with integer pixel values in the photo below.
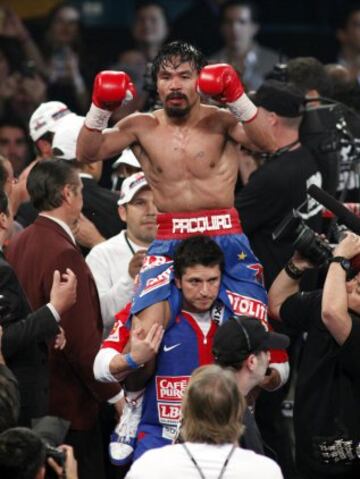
[
  {"x": 128, "y": 158},
  {"x": 130, "y": 186},
  {"x": 47, "y": 117},
  {"x": 65, "y": 138}
]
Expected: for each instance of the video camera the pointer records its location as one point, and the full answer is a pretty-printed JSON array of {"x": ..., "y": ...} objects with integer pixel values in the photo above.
[{"x": 309, "y": 244}]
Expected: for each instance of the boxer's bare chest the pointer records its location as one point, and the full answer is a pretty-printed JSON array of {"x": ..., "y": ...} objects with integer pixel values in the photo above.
[{"x": 180, "y": 152}]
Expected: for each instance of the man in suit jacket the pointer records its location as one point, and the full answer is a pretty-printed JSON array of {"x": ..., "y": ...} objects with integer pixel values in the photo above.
[
  {"x": 55, "y": 189},
  {"x": 100, "y": 204},
  {"x": 26, "y": 334}
]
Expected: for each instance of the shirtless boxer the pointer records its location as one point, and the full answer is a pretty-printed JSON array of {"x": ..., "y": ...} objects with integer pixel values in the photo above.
[{"x": 188, "y": 153}]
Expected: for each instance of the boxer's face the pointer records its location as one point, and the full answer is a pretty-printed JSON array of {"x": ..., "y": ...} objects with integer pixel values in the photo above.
[
  {"x": 176, "y": 83},
  {"x": 199, "y": 286}
]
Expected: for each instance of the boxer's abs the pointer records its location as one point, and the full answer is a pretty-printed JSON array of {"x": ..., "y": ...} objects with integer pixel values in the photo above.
[
  {"x": 197, "y": 178},
  {"x": 193, "y": 194}
]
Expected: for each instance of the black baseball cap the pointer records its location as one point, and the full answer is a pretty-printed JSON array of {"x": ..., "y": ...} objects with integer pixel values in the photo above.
[
  {"x": 284, "y": 99},
  {"x": 238, "y": 337}
]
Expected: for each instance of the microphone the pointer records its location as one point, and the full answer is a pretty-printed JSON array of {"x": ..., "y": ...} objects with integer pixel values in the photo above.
[
  {"x": 353, "y": 207},
  {"x": 339, "y": 210}
]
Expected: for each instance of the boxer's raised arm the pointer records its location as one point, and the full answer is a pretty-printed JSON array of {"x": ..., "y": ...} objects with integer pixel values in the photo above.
[
  {"x": 255, "y": 135},
  {"x": 222, "y": 83},
  {"x": 111, "y": 90},
  {"x": 93, "y": 145}
]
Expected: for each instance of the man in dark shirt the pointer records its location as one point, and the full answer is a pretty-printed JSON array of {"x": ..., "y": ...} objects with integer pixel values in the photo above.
[
  {"x": 280, "y": 184},
  {"x": 328, "y": 384}
]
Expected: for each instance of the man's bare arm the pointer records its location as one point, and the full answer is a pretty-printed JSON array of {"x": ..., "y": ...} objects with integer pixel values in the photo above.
[
  {"x": 142, "y": 349},
  {"x": 111, "y": 90},
  {"x": 94, "y": 145},
  {"x": 222, "y": 83},
  {"x": 284, "y": 286},
  {"x": 337, "y": 295},
  {"x": 254, "y": 135}
]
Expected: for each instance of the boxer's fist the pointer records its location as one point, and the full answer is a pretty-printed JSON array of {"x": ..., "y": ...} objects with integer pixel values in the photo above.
[
  {"x": 221, "y": 82},
  {"x": 111, "y": 88}
]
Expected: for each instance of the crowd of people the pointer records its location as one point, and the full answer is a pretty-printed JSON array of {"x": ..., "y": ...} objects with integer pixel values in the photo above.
[{"x": 166, "y": 285}]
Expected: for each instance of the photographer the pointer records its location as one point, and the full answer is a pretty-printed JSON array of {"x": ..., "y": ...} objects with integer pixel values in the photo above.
[
  {"x": 328, "y": 383},
  {"x": 281, "y": 182},
  {"x": 23, "y": 455}
]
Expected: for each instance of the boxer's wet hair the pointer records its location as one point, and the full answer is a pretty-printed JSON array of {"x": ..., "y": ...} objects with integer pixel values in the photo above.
[
  {"x": 197, "y": 250},
  {"x": 182, "y": 52}
]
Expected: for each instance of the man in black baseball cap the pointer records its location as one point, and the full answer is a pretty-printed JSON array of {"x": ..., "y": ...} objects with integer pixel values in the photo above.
[
  {"x": 243, "y": 344},
  {"x": 284, "y": 99},
  {"x": 239, "y": 337}
]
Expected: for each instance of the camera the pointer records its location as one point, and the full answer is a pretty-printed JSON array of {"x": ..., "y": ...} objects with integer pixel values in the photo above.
[
  {"x": 54, "y": 453},
  {"x": 304, "y": 239},
  {"x": 52, "y": 430}
]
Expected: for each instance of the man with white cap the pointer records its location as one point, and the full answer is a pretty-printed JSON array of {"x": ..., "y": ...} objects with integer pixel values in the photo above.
[
  {"x": 116, "y": 262},
  {"x": 126, "y": 165},
  {"x": 100, "y": 204},
  {"x": 43, "y": 123}
]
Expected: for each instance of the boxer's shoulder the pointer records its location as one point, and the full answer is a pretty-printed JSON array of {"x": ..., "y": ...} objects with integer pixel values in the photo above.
[
  {"x": 215, "y": 116},
  {"x": 138, "y": 121}
]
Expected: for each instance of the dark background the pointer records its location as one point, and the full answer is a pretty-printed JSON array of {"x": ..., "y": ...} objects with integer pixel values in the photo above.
[{"x": 294, "y": 28}]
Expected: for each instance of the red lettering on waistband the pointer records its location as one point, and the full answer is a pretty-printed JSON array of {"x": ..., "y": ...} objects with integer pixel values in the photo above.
[{"x": 208, "y": 222}]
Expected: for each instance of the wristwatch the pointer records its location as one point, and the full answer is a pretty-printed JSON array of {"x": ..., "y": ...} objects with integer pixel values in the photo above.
[
  {"x": 293, "y": 271},
  {"x": 344, "y": 262}
]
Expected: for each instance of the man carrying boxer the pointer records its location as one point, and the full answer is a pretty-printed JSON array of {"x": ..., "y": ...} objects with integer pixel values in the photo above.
[{"x": 188, "y": 153}]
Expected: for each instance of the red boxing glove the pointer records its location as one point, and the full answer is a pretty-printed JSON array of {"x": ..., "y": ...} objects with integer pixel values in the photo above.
[
  {"x": 111, "y": 89},
  {"x": 222, "y": 83}
]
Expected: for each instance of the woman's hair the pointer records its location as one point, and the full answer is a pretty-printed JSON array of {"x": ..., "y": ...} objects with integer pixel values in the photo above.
[{"x": 213, "y": 407}]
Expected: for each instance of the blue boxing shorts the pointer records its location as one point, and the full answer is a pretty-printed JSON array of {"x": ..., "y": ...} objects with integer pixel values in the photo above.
[{"x": 242, "y": 288}]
